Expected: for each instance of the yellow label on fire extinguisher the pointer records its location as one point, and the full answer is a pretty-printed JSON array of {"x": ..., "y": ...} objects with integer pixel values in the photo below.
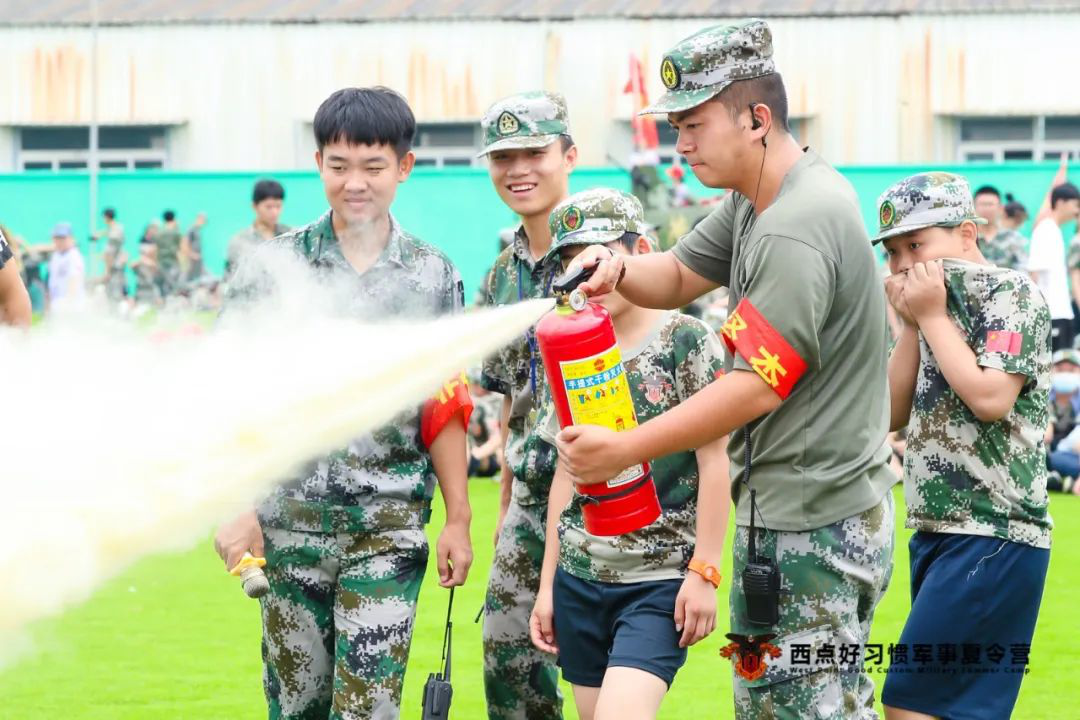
[{"x": 598, "y": 394}]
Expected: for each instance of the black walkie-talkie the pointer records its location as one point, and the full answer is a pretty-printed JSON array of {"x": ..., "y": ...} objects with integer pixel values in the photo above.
[
  {"x": 437, "y": 690},
  {"x": 761, "y": 580},
  {"x": 760, "y": 576}
]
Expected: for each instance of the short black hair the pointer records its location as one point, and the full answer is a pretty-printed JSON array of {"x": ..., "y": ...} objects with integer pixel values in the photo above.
[
  {"x": 168, "y": 216},
  {"x": 109, "y": 213},
  {"x": 629, "y": 239},
  {"x": 1013, "y": 207},
  {"x": 267, "y": 189},
  {"x": 567, "y": 143},
  {"x": 1063, "y": 193},
  {"x": 366, "y": 116},
  {"x": 765, "y": 90},
  {"x": 987, "y": 190}
]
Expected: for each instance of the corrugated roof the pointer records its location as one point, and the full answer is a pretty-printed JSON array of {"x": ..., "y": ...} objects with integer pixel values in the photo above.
[{"x": 138, "y": 12}]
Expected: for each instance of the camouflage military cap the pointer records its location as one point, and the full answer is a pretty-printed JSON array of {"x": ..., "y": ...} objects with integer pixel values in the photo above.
[
  {"x": 705, "y": 63},
  {"x": 1066, "y": 355},
  {"x": 594, "y": 217},
  {"x": 526, "y": 120},
  {"x": 925, "y": 200}
]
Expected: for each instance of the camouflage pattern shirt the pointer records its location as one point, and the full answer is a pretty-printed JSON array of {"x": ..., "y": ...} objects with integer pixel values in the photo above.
[
  {"x": 681, "y": 356},
  {"x": 969, "y": 477},
  {"x": 147, "y": 282},
  {"x": 510, "y": 371},
  {"x": 1072, "y": 260},
  {"x": 1007, "y": 249},
  {"x": 115, "y": 237},
  {"x": 385, "y": 479},
  {"x": 243, "y": 241},
  {"x": 168, "y": 242}
]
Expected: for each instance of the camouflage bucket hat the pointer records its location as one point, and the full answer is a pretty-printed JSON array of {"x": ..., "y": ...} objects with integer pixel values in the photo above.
[
  {"x": 705, "y": 63},
  {"x": 925, "y": 200},
  {"x": 595, "y": 217},
  {"x": 527, "y": 120}
]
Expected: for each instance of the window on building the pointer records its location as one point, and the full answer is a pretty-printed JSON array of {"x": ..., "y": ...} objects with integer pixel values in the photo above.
[
  {"x": 120, "y": 147},
  {"x": 1003, "y": 139},
  {"x": 452, "y": 144}
]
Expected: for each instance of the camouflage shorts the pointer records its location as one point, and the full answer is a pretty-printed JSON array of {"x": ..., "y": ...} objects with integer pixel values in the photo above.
[
  {"x": 834, "y": 577},
  {"x": 338, "y": 621},
  {"x": 521, "y": 683}
]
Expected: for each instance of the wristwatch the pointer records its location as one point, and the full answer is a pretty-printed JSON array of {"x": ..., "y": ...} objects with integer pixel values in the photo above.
[{"x": 705, "y": 570}]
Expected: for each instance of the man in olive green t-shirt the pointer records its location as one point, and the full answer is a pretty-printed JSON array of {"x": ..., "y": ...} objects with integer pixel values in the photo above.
[{"x": 807, "y": 370}]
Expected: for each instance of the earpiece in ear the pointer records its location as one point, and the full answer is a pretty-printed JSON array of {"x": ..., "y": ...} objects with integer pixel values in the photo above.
[{"x": 754, "y": 122}]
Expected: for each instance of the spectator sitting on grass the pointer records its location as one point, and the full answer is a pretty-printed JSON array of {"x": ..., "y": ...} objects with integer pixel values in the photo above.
[
  {"x": 1064, "y": 462},
  {"x": 485, "y": 437},
  {"x": 1064, "y": 394}
]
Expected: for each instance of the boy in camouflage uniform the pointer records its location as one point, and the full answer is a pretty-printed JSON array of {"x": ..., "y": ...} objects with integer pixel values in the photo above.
[
  {"x": 267, "y": 200},
  {"x": 1001, "y": 246},
  {"x": 804, "y": 392},
  {"x": 344, "y": 543},
  {"x": 620, "y": 611},
  {"x": 530, "y": 156},
  {"x": 115, "y": 278},
  {"x": 168, "y": 253},
  {"x": 969, "y": 377}
]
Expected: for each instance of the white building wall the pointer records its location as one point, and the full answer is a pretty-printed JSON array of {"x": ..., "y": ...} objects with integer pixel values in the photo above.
[{"x": 874, "y": 89}]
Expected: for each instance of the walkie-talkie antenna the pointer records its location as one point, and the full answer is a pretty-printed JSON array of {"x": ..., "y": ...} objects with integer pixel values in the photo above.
[{"x": 447, "y": 645}]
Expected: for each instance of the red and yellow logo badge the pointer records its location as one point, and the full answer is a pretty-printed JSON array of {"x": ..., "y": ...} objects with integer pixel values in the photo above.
[
  {"x": 886, "y": 215},
  {"x": 572, "y": 219},
  {"x": 750, "y": 653}
]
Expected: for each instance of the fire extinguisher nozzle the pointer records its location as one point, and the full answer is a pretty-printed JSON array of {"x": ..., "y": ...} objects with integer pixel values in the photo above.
[{"x": 569, "y": 281}]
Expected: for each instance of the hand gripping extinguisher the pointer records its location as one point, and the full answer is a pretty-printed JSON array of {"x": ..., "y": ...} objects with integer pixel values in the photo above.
[{"x": 589, "y": 387}]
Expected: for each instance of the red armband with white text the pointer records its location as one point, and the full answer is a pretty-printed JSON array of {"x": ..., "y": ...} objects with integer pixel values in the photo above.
[
  {"x": 453, "y": 399},
  {"x": 748, "y": 333}
]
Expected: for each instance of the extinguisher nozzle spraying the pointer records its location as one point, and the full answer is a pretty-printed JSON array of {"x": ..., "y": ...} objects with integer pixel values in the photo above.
[{"x": 250, "y": 572}]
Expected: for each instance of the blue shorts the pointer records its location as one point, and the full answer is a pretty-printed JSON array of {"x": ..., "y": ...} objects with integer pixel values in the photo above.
[
  {"x": 600, "y": 625},
  {"x": 974, "y": 603}
]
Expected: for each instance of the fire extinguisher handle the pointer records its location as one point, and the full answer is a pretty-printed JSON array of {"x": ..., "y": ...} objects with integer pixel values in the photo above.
[{"x": 570, "y": 280}]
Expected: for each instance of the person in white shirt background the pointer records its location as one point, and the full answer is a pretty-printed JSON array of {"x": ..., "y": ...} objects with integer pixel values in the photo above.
[
  {"x": 1046, "y": 262},
  {"x": 67, "y": 273}
]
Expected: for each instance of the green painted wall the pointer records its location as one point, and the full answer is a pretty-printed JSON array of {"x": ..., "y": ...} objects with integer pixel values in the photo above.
[{"x": 456, "y": 208}]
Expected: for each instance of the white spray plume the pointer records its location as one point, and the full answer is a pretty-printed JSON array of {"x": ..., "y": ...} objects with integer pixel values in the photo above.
[{"x": 116, "y": 444}]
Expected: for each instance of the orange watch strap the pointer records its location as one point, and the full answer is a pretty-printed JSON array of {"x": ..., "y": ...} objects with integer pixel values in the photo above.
[{"x": 705, "y": 570}]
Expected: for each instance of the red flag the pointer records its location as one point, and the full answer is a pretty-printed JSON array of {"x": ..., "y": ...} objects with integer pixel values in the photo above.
[
  {"x": 453, "y": 399},
  {"x": 1004, "y": 341},
  {"x": 644, "y": 126}
]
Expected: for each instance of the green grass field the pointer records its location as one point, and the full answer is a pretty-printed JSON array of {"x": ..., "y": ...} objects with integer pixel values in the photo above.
[{"x": 174, "y": 637}]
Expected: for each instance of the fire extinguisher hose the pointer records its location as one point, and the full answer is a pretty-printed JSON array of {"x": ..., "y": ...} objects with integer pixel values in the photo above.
[{"x": 632, "y": 487}]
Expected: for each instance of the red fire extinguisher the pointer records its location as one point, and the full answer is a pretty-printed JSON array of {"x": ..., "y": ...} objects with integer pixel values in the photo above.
[{"x": 589, "y": 387}]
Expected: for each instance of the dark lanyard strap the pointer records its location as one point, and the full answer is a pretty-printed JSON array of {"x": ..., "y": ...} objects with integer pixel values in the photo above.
[{"x": 530, "y": 334}]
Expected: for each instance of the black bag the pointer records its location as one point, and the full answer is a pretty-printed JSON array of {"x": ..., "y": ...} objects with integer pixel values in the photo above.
[{"x": 437, "y": 690}]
